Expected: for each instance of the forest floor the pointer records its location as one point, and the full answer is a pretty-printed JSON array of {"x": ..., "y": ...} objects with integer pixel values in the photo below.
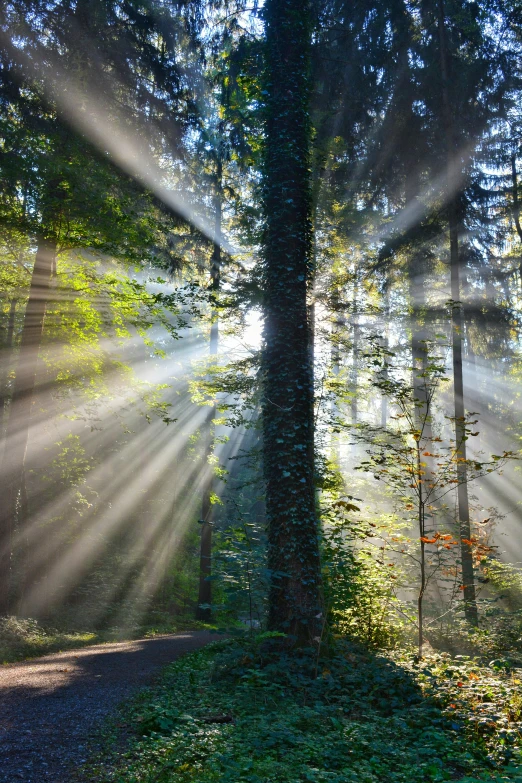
[
  {"x": 236, "y": 712},
  {"x": 52, "y": 708}
]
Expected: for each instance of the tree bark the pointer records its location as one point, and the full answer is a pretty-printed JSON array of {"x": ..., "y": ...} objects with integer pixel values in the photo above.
[
  {"x": 516, "y": 201},
  {"x": 355, "y": 355},
  {"x": 6, "y": 359},
  {"x": 385, "y": 344},
  {"x": 516, "y": 207},
  {"x": 419, "y": 335},
  {"x": 338, "y": 328},
  {"x": 17, "y": 433},
  {"x": 468, "y": 579},
  {"x": 287, "y": 398},
  {"x": 204, "y": 612}
]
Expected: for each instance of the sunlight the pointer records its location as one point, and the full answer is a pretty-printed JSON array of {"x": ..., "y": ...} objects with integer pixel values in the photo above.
[{"x": 235, "y": 388}]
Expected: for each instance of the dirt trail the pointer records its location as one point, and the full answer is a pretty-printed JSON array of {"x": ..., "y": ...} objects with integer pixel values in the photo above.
[{"x": 51, "y": 707}]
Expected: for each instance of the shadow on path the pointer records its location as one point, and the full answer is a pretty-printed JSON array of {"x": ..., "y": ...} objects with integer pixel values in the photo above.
[{"x": 50, "y": 707}]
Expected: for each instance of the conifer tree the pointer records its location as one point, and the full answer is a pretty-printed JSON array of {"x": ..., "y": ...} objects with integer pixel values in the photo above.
[{"x": 74, "y": 197}]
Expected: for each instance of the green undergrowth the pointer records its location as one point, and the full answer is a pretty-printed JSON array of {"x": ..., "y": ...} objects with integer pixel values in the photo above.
[
  {"x": 234, "y": 712},
  {"x": 22, "y": 638},
  {"x": 25, "y": 638}
]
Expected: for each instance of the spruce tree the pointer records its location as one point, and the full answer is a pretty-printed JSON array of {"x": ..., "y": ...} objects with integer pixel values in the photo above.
[{"x": 74, "y": 196}]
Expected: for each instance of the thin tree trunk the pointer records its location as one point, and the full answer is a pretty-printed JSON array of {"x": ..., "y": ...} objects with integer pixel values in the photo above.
[
  {"x": 420, "y": 399},
  {"x": 386, "y": 344},
  {"x": 287, "y": 399},
  {"x": 418, "y": 334},
  {"x": 516, "y": 207},
  {"x": 473, "y": 382},
  {"x": 6, "y": 359},
  {"x": 470, "y": 603},
  {"x": 204, "y": 612},
  {"x": 337, "y": 330},
  {"x": 355, "y": 357},
  {"x": 419, "y": 349},
  {"x": 516, "y": 201},
  {"x": 422, "y": 533},
  {"x": 17, "y": 434}
]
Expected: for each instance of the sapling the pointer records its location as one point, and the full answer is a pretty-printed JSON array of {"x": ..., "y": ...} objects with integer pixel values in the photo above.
[{"x": 418, "y": 465}]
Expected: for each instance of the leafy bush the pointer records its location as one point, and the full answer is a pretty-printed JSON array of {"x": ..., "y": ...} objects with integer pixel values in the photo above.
[
  {"x": 24, "y": 638},
  {"x": 360, "y": 584},
  {"x": 506, "y": 578},
  {"x": 18, "y": 630}
]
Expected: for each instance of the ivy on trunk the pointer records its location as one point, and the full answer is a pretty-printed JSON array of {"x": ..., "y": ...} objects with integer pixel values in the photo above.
[{"x": 287, "y": 404}]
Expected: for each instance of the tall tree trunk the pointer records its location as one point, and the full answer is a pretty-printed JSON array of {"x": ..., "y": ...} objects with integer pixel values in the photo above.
[
  {"x": 516, "y": 207},
  {"x": 386, "y": 345},
  {"x": 287, "y": 400},
  {"x": 468, "y": 579},
  {"x": 473, "y": 382},
  {"x": 12, "y": 473},
  {"x": 337, "y": 334},
  {"x": 516, "y": 200},
  {"x": 7, "y": 349},
  {"x": 355, "y": 355},
  {"x": 204, "y": 612},
  {"x": 419, "y": 335}
]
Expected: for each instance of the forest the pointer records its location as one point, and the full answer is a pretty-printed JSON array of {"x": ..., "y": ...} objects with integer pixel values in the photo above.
[{"x": 261, "y": 347}]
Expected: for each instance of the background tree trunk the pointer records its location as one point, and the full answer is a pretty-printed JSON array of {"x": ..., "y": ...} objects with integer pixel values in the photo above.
[
  {"x": 516, "y": 201},
  {"x": 386, "y": 345},
  {"x": 355, "y": 353},
  {"x": 7, "y": 350},
  {"x": 20, "y": 411},
  {"x": 468, "y": 580}
]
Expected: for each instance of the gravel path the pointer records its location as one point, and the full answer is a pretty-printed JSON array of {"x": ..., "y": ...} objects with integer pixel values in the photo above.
[{"x": 51, "y": 707}]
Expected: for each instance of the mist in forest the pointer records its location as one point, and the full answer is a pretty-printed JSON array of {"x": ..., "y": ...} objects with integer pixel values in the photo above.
[{"x": 134, "y": 316}]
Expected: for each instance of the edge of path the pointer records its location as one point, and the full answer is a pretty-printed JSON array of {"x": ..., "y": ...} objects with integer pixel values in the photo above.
[{"x": 78, "y": 691}]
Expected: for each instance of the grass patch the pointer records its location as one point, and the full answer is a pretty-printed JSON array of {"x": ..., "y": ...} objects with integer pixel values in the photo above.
[
  {"x": 22, "y": 639},
  {"x": 231, "y": 712},
  {"x": 25, "y": 638}
]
